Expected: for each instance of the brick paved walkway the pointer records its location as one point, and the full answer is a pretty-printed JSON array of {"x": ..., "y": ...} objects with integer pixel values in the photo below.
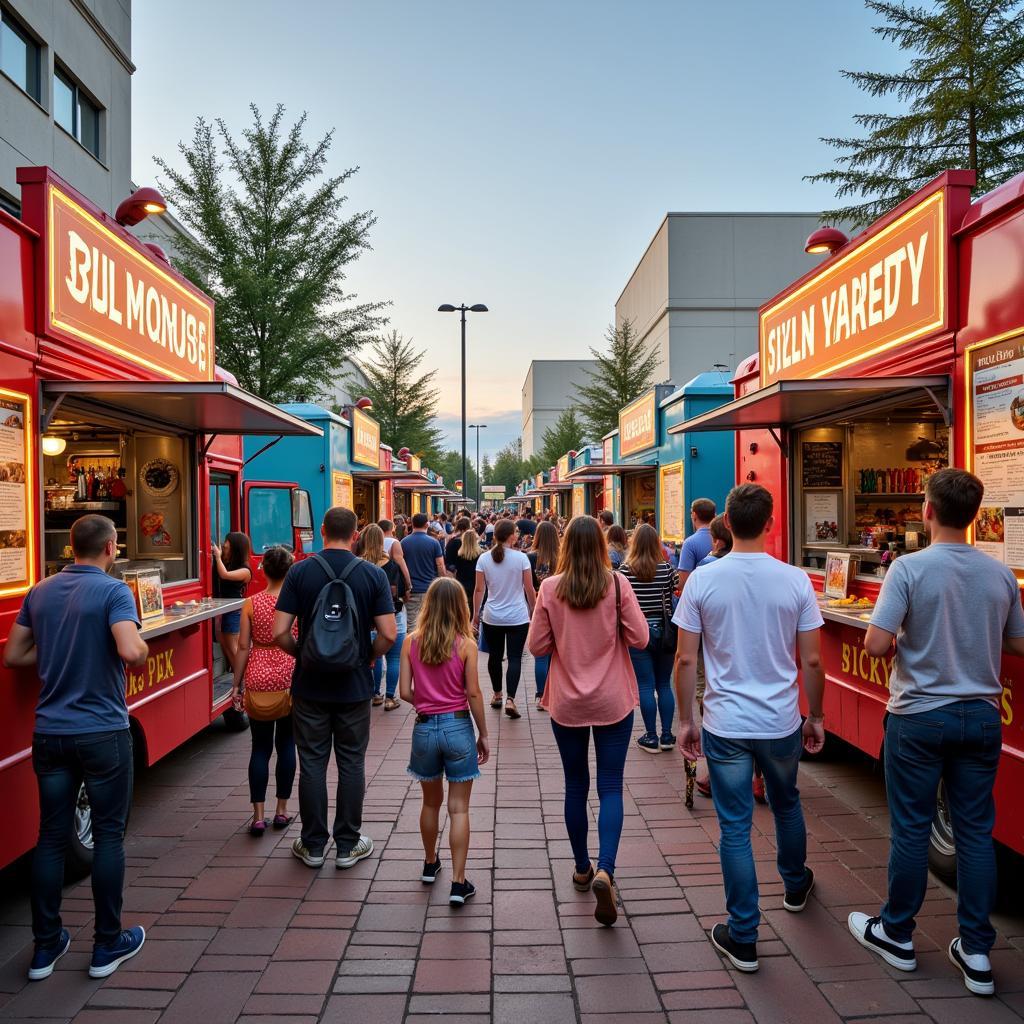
[{"x": 240, "y": 930}]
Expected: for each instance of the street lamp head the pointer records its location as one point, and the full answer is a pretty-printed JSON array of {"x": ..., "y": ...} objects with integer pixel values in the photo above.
[
  {"x": 447, "y": 307},
  {"x": 478, "y": 308}
]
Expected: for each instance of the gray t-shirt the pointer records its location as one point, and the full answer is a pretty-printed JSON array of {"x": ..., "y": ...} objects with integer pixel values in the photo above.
[{"x": 950, "y": 607}]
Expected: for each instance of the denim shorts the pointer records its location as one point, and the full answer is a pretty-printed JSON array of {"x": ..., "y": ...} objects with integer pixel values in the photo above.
[
  {"x": 231, "y": 622},
  {"x": 444, "y": 743}
]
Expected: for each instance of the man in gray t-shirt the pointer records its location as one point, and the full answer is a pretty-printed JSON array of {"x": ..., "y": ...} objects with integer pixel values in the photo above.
[{"x": 951, "y": 611}]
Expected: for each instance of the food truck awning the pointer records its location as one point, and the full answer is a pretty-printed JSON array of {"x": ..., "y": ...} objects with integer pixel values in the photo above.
[
  {"x": 558, "y": 485},
  {"x": 388, "y": 474},
  {"x": 207, "y": 407},
  {"x": 596, "y": 470},
  {"x": 804, "y": 402},
  {"x": 420, "y": 484}
]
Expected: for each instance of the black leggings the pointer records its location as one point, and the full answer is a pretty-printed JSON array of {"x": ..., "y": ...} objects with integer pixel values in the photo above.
[
  {"x": 496, "y": 637},
  {"x": 265, "y": 737}
]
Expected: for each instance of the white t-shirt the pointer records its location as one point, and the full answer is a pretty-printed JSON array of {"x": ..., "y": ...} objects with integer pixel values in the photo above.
[
  {"x": 506, "y": 598},
  {"x": 749, "y": 608},
  {"x": 389, "y": 543}
]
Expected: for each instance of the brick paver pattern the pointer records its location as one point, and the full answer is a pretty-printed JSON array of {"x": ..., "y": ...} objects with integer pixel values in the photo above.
[{"x": 238, "y": 929}]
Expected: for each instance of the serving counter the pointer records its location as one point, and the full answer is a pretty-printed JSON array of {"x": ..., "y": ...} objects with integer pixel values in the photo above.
[{"x": 213, "y": 607}]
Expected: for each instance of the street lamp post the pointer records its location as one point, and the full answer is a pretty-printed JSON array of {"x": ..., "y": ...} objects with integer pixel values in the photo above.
[
  {"x": 478, "y": 427},
  {"x": 478, "y": 307}
]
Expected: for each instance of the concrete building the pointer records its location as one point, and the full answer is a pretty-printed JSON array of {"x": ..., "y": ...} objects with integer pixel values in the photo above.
[
  {"x": 549, "y": 389},
  {"x": 695, "y": 293}
]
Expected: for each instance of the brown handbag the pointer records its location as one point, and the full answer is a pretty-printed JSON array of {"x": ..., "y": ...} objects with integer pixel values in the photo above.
[{"x": 263, "y": 706}]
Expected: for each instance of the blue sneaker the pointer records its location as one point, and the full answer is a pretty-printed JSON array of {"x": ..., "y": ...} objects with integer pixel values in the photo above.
[
  {"x": 107, "y": 959},
  {"x": 667, "y": 741},
  {"x": 648, "y": 742},
  {"x": 44, "y": 959}
]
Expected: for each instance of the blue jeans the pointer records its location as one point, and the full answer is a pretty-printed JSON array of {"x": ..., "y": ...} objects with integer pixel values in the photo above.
[
  {"x": 731, "y": 765},
  {"x": 265, "y": 737},
  {"x": 393, "y": 660},
  {"x": 541, "y": 667},
  {"x": 611, "y": 742},
  {"x": 653, "y": 668},
  {"x": 958, "y": 744},
  {"x": 103, "y": 761}
]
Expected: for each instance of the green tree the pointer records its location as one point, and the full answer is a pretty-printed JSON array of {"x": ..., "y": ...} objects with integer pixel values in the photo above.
[
  {"x": 271, "y": 247},
  {"x": 508, "y": 468},
  {"x": 565, "y": 435},
  {"x": 963, "y": 94},
  {"x": 449, "y": 465},
  {"x": 625, "y": 370},
  {"x": 485, "y": 469},
  {"x": 404, "y": 399}
]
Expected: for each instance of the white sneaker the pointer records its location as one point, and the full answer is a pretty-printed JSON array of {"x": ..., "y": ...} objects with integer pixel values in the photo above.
[
  {"x": 868, "y": 931},
  {"x": 362, "y": 849}
]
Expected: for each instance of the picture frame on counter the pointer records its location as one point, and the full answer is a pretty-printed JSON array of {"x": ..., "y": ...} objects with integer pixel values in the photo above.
[
  {"x": 149, "y": 593},
  {"x": 840, "y": 568}
]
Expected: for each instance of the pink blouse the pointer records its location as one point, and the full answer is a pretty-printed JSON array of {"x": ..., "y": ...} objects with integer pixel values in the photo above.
[{"x": 591, "y": 680}]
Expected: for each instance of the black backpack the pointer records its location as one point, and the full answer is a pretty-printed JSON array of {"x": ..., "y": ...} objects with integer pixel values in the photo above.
[{"x": 332, "y": 639}]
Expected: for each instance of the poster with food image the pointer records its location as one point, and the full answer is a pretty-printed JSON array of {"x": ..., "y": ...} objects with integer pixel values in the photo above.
[
  {"x": 150, "y": 596},
  {"x": 159, "y": 495},
  {"x": 821, "y": 517},
  {"x": 840, "y": 566},
  {"x": 996, "y": 452},
  {"x": 14, "y": 469}
]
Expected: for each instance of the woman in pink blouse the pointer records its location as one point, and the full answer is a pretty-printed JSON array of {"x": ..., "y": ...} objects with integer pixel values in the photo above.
[{"x": 587, "y": 618}]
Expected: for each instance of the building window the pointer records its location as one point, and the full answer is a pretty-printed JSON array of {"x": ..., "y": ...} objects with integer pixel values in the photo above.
[
  {"x": 19, "y": 55},
  {"x": 75, "y": 112}
]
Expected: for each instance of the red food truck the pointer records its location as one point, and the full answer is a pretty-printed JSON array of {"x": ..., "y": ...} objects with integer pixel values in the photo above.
[
  {"x": 110, "y": 401},
  {"x": 902, "y": 353}
]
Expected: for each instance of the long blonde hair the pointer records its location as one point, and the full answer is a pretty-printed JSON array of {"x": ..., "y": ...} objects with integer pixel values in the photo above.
[
  {"x": 443, "y": 619},
  {"x": 583, "y": 565},
  {"x": 470, "y": 546},
  {"x": 371, "y": 540},
  {"x": 645, "y": 553}
]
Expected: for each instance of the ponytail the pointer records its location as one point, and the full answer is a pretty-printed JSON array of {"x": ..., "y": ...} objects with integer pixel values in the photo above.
[{"x": 502, "y": 532}]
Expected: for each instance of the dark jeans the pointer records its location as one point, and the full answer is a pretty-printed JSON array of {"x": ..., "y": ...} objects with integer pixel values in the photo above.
[
  {"x": 319, "y": 726},
  {"x": 265, "y": 737},
  {"x": 611, "y": 742},
  {"x": 541, "y": 668},
  {"x": 103, "y": 761},
  {"x": 958, "y": 744},
  {"x": 731, "y": 765},
  {"x": 497, "y": 638},
  {"x": 653, "y": 668}
]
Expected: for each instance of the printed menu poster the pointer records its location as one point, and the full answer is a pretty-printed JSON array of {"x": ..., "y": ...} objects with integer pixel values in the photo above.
[
  {"x": 997, "y": 448},
  {"x": 822, "y": 517},
  {"x": 671, "y": 520},
  {"x": 13, "y": 492},
  {"x": 341, "y": 489}
]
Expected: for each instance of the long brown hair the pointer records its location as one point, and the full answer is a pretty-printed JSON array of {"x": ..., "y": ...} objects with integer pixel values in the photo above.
[
  {"x": 443, "y": 619},
  {"x": 583, "y": 565},
  {"x": 371, "y": 544},
  {"x": 503, "y": 531},
  {"x": 645, "y": 553},
  {"x": 545, "y": 545}
]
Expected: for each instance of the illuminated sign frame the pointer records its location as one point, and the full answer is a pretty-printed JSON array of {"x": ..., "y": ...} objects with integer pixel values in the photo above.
[
  {"x": 365, "y": 452},
  {"x": 28, "y": 435},
  {"x": 646, "y": 436}
]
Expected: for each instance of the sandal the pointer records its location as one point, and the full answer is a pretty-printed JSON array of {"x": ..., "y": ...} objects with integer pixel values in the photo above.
[
  {"x": 377, "y": 700},
  {"x": 258, "y": 828},
  {"x": 283, "y": 820},
  {"x": 496, "y": 701},
  {"x": 390, "y": 704},
  {"x": 581, "y": 881},
  {"x": 511, "y": 710}
]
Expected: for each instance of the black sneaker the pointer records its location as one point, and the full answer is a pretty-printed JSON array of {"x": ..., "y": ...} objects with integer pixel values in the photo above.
[
  {"x": 430, "y": 872},
  {"x": 864, "y": 930},
  {"x": 742, "y": 955},
  {"x": 977, "y": 981},
  {"x": 649, "y": 742},
  {"x": 461, "y": 891},
  {"x": 667, "y": 741},
  {"x": 796, "y": 900}
]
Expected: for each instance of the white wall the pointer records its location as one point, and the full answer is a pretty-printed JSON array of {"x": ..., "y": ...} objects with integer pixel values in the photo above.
[{"x": 550, "y": 387}]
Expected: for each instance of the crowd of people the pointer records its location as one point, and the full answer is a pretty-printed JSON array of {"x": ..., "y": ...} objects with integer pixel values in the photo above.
[{"x": 721, "y": 634}]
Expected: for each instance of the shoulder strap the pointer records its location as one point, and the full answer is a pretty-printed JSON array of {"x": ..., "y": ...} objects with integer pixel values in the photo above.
[
  {"x": 325, "y": 565},
  {"x": 347, "y": 571}
]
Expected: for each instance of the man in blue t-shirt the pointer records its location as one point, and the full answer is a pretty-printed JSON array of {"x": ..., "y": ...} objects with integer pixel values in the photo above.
[
  {"x": 425, "y": 558},
  {"x": 77, "y": 629},
  {"x": 697, "y": 546}
]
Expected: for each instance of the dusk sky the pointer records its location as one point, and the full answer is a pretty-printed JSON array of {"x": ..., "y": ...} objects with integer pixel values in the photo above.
[{"x": 518, "y": 154}]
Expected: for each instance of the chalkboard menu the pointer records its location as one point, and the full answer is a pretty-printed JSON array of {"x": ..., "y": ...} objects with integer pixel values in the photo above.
[{"x": 822, "y": 463}]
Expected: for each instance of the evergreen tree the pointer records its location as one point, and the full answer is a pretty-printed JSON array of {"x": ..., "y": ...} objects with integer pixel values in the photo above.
[
  {"x": 485, "y": 470},
  {"x": 624, "y": 372},
  {"x": 508, "y": 467},
  {"x": 964, "y": 97},
  {"x": 565, "y": 435},
  {"x": 404, "y": 399},
  {"x": 271, "y": 248},
  {"x": 449, "y": 465}
]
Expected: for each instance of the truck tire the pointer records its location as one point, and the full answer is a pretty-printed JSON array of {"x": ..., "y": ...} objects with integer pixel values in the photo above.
[
  {"x": 78, "y": 859},
  {"x": 235, "y": 721},
  {"x": 941, "y": 845}
]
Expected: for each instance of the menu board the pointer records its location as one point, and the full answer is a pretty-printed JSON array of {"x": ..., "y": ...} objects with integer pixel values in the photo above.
[
  {"x": 821, "y": 518},
  {"x": 579, "y": 499},
  {"x": 341, "y": 489},
  {"x": 822, "y": 463},
  {"x": 671, "y": 521},
  {"x": 14, "y": 469},
  {"x": 996, "y": 453}
]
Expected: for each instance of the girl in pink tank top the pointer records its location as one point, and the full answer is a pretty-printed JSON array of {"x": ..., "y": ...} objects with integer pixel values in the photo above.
[{"x": 439, "y": 676}]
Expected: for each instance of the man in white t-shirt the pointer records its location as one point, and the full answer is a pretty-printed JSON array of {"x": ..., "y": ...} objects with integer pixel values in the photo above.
[{"x": 753, "y": 612}]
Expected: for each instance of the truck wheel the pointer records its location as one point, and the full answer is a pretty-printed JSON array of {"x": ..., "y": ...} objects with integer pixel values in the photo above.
[
  {"x": 235, "y": 721},
  {"x": 78, "y": 860},
  {"x": 941, "y": 846}
]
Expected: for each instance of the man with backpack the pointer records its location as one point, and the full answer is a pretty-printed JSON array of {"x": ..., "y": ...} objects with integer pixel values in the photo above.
[{"x": 339, "y": 600}]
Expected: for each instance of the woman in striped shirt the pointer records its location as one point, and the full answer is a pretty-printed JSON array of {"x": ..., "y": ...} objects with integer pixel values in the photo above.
[{"x": 654, "y": 582}]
